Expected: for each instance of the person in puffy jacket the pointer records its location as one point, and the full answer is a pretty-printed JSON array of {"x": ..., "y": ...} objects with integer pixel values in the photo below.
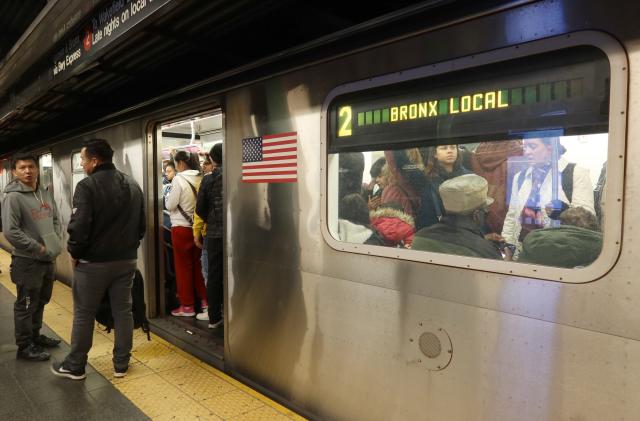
[
  {"x": 210, "y": 207},
  {"x": 576, "y": 243},
  {"x": 392, "y": 224},
  {"x": 181, "y": 203}
]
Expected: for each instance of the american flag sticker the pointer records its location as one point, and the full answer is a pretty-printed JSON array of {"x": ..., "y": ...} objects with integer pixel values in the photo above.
[{"x": 270, "y": 158}]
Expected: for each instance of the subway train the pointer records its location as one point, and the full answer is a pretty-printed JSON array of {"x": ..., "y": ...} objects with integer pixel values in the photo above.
[{"x": 338, "y": 327}]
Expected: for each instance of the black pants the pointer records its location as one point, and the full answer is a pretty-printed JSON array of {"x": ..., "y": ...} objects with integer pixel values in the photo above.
[
  {"x": 215, "y": 292},
  {"x": 34, "y": 285}
]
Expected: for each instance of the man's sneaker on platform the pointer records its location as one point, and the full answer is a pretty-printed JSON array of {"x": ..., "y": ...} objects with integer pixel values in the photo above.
[
  {"x": 61, "y": 371},
  {"x": 120, "y": 372}
]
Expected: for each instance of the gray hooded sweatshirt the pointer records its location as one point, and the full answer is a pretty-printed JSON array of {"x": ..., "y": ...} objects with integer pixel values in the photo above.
[{"x": 30, "y": 220}]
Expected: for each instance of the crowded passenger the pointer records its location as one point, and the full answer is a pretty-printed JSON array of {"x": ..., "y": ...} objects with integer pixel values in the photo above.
[
  {"x": 200, "y": 227},
  {"x": 394, "y": 193},
  {"x": 181, "y": 203},
  {"x": 576, "y": 243},
  {"x": 169, "y": 173},
  {"x": 442, "y": 163},
  {"x": 351, "y": 169},
  {"x": 492, "y": 161},
  {"x": 459, "y": 232},
  {"x": 536, "y": 199},
  {"x": 353, "y": 221},
  {"x": 210, "y": 207},
  {"x": 372, "y": 192},
  {"x": 395, "y": 227},
  {"x": 599, "y": 196},
  {"x": 404, "y": 170}
]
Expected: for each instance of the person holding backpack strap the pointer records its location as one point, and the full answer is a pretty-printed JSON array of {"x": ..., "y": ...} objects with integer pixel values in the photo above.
[
  {"x": 532, "y": 204},
  {"x": 181, "y": 203}
]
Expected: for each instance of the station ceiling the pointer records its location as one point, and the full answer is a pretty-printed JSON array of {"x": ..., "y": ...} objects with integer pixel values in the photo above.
[
  {"x": 15, "y": 18},
  {"x": 176, "y": 45}
]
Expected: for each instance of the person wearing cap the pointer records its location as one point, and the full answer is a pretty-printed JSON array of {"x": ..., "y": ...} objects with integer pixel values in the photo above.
[{"x": 459, "y": 231}]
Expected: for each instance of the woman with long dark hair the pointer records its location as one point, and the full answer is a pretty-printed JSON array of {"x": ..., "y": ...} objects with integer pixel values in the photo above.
[
  {"x": 441, "y": 163},
  {"x": 181, "y": 203}
]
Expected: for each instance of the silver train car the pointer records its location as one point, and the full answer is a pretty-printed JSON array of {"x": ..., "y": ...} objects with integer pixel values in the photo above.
[{"x": 340, "y": 329}]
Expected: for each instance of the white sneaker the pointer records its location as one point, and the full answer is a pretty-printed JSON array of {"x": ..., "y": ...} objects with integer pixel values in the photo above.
[
  {"x": 216, "y": 324},
  {"x": 203, "y": 316}
]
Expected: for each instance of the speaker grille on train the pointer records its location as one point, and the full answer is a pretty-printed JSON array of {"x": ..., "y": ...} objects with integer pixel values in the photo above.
[{"x": 430, "y": 345}]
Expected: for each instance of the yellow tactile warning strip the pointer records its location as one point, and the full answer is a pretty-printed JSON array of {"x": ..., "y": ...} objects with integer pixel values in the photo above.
[{"x": 163, "y": 381}]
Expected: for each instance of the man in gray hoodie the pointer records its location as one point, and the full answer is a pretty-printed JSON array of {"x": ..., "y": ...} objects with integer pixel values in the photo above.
[{"x": 30, "y": 223}]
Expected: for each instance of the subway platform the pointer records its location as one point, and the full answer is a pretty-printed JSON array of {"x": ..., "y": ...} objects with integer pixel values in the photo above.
[{"x": 163, "y": 382}]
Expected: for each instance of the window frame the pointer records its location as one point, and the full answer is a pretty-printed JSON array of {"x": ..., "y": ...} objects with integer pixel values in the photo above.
[
  {"x": 75, "y": 171},
  {"x": 613, "y": 207}
]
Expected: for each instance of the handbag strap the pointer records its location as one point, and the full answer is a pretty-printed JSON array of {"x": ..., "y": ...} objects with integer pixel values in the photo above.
[
  {"x": 195, "y": 193},
  {"x": 185, "y": 215}
]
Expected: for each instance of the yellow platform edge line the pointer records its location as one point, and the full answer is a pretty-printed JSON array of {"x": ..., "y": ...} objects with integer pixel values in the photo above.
[{"x": 9, "y": 286}]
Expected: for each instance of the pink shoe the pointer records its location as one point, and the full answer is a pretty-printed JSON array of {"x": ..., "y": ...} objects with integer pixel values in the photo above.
[{"x": 183, "y": 311}]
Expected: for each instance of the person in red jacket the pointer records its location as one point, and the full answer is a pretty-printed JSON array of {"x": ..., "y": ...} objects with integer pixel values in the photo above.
[{"x": 394, "y": 225}]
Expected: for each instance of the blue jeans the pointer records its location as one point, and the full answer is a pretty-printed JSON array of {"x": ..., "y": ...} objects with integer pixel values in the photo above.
[{"x": 204, "y": 261}]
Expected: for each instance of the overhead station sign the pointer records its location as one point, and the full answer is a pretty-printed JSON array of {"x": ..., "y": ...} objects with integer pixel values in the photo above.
[
  {"x": 494, "y": 101},
  {"x": 102, "y": 28}
]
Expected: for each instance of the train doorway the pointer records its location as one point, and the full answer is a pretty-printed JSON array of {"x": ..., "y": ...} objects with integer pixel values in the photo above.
[{"x": 182, "y": 262}]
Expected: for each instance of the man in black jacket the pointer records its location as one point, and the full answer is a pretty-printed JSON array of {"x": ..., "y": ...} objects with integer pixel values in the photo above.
[
  {"x": 209, "y": 208},
  {"x": 106, "y": 226}
]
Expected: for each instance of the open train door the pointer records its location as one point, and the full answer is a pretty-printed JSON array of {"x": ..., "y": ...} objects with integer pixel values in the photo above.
[{"x": 194, "y": 135}]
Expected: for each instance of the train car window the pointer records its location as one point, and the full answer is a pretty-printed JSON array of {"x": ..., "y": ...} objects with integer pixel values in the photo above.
[
  {"x": 77, "y": 172},
  {"x": 505, "y": 162},
  {"x": 45, "y": 163}
]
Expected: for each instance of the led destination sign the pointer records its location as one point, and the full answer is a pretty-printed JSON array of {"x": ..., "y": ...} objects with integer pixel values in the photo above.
[
  {"x": 482, "y": 103},
  {"x": 425, "y": 109}
]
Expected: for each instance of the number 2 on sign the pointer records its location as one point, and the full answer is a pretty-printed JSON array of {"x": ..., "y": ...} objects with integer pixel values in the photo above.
[{"x": 344, "y": 119}]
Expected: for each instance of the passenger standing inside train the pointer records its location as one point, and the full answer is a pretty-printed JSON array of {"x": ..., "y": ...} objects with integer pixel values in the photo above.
[
  {"x": 209, "y": 206},
  {"x": 531, "y": 204},
  {"x": 30, "y": 223},
  {"x": 181, "y": 203},
  {"x": 373, "y": 191},
  {"x": 106, "y": 226},
  {"x": 459, "y": 232},
  {"x": 442, "y": 163},
  {"x": 494, "y": 162},
  {"x": 395, "y": 192},
  {"x": 200, "y": 227},
  {"x": 169, "y": 173}
]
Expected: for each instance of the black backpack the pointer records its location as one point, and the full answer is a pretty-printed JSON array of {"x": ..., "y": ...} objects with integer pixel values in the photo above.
[{"x": 138, "y": 308}]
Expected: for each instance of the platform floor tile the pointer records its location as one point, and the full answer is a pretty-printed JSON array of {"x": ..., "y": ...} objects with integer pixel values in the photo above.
[{"x": 163, "y": 381}]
